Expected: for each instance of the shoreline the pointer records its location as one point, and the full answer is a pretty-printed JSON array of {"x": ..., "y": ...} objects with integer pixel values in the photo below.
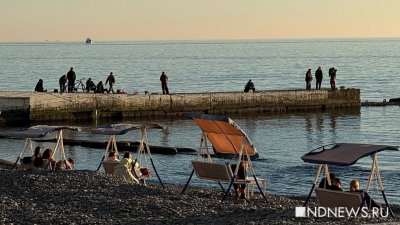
[{"x": 83, "y": 197}]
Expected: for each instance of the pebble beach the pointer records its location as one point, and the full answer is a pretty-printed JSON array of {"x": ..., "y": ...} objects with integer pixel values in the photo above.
[{"x": 88, "y": 197}]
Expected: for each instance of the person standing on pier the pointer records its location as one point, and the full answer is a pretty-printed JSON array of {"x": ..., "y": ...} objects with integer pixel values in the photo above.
[
  {"x": 318, "y": 77},
  {"x": 332, "y": 75},
  {"x": 164, "y": 83},
  {"x": 111, "y": 81},
  {"x": 62, "y": 82},
  {"x": 71, "y": 76},
  {"x": 308, "y": 79}
]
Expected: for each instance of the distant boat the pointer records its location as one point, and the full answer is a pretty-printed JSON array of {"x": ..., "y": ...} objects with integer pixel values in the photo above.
[{"x": 88, "y": 41}]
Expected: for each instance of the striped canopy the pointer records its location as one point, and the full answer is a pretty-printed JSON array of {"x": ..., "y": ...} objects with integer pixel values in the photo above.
[
  {"x": 224, "y": 134},
  {"x": 122, "y": 128},
  {"x": 344, "y": 154},
  {"x": 40, "y": 131}
]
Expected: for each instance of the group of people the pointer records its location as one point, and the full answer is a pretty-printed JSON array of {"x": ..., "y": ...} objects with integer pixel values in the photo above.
[
  {"x": 45, "y": 160},
  {"x": 69, "y": 79},
  {"x": 67, "y": 83},
  {"x": 127, "y": 169},
  {"x": 336, "y": 185},
  {"x": 319, "y": 76}
]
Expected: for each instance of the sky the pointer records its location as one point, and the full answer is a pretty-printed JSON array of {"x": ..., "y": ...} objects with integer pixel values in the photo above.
[{"x": 119, "y": 20}]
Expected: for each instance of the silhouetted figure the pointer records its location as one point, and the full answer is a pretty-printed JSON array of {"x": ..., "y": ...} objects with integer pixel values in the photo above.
[
  {"x": 111, "y": 81},
  {"x": 62, "y": 82},
  {"x": 308, "y": 79},
  {"x": 318, "y": 77},
  {"x": 71, "y": 76},
  {"x": 100, "y": 88},
  {"x": 332, "y": 75},
  {"x": 164, "y": 83},
  {"x": 90, "y": 86},
  {"x": 39, "y": 86},
  {"x": 249, "y": 86}
]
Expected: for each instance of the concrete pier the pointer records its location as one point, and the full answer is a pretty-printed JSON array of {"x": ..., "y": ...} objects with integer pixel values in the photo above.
[{"x": 48, "y": 106}]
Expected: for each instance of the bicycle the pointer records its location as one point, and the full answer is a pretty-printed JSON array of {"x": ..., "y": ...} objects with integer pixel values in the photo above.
[{"x": 80, "y": 85}]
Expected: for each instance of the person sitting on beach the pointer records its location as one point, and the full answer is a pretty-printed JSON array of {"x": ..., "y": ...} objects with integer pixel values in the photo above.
[
  {"x": 39, "y": 86},
  {"x": 241, "y": 175},
  {"x": 65, "y": 164},
  {"x": 123, "y": 169},
  {"x": 90, "y": 86},
  {"x": 354, "y": 187},
  {"x": 249, "y": 86},
  {"x": 26, "y": 161},
  {"x": 37, "y": 153},
  {"x": 112, "y": 157},
  {"x": 48, "y": 160},
  {"x": 335, "y": 183}
]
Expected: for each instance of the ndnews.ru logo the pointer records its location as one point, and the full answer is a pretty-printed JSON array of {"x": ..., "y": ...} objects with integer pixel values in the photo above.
[{"x": 342, "y": 212}]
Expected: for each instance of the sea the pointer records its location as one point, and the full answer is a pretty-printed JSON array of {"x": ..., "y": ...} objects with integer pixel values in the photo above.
[{"x": 371, "y": 65}]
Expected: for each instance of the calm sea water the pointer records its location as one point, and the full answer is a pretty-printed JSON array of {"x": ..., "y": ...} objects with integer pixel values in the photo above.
[{"x": 195, "y": 66}]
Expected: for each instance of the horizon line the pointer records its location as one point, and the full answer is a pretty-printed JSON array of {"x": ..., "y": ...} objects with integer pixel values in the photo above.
[{"x": 186, "y": 40}]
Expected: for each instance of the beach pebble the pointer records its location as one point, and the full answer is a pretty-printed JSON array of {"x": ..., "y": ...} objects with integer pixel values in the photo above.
[{"x": 87, "y": 197}]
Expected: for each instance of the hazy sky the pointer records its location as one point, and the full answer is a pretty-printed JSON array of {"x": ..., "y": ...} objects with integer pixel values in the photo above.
[{"x": 74, "y": 20}]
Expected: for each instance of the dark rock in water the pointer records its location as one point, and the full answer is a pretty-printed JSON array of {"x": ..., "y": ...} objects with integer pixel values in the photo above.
[
  {"x": 396, "y": 100},
  {"x": 130, "y": 146},
  {"x": 180, "y": 150}
]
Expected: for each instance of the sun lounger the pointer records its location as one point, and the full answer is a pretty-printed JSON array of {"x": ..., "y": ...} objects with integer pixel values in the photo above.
[
  {"x": 220, "y": 172},
  {"x": 329, "y": 198},
  {"x": 213, "y": 171},
  {"x": 109, "y": 166},
  {"x": 26, "y": 165}
]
